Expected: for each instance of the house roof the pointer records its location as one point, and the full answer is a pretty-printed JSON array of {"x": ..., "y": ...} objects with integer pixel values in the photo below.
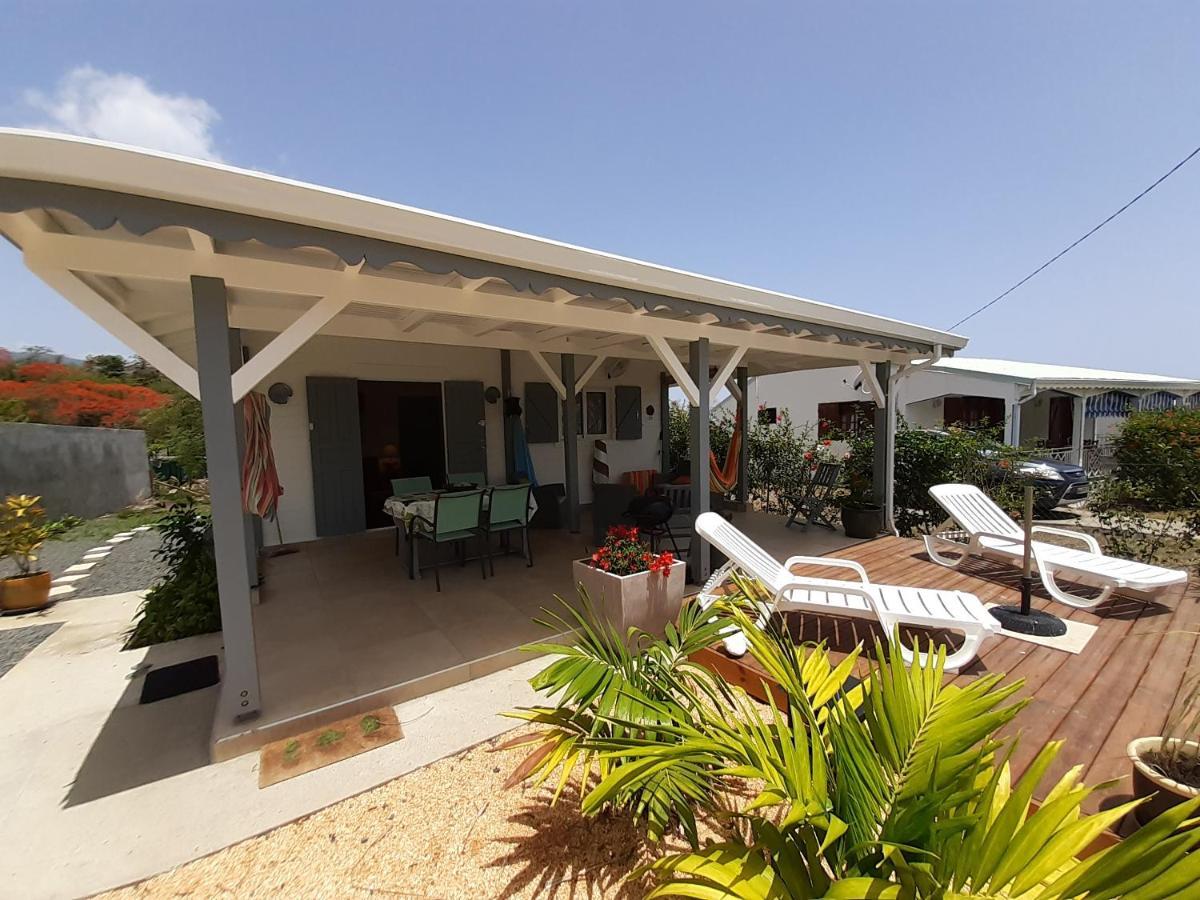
[
  {"x": 1046, "y": 376},
  {"x": 111, "y": 167}
]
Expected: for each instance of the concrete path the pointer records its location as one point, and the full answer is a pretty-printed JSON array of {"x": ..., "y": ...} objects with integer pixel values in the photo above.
[{"x": 101, "y": 791}]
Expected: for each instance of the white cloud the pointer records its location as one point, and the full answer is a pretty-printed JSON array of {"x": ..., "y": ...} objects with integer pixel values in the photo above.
[{"x": 125, "y": 109}]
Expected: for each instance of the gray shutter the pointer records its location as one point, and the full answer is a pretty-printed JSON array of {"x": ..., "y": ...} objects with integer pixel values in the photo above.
[
  {"x": 336, "y": 446},
  {"x": 466, "y": 431},
  {"x": 541, "y": 413},
  {"x": 628, "y": 402}
]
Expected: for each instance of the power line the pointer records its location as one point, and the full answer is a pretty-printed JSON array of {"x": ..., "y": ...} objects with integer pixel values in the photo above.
[{"x": 1175, "y": 168}]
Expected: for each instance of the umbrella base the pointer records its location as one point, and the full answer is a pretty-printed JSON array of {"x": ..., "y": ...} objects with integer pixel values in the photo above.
[{"x": 1035, "y": 622}]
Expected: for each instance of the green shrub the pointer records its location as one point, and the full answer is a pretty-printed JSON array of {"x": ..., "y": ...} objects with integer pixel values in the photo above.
[
  {"x": 1158, "y": 453},
  {"x": 177, "y": 430},
  {"x": 185, "y": 602},
  {"x": 925, "y": 458}
]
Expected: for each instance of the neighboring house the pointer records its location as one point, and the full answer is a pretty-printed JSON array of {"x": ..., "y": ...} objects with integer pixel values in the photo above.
[{"x": 1041, "y": 405}]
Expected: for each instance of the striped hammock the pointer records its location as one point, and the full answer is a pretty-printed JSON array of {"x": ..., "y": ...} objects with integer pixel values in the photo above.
[
  {"x": 261, "y": 489},
  {"x": 722, "y": 477}
]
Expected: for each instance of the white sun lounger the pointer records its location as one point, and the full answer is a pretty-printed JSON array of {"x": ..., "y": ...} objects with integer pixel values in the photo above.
[
  {"x": 993, "y": 534},
  {"x": 890, "y": 606}
]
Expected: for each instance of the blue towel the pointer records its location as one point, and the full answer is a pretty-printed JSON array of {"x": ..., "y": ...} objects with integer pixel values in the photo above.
[{"x": 523, "y": 462}]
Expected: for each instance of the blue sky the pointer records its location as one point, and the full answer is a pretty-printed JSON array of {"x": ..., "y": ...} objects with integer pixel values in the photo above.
[{"x": 908, "y": 159}]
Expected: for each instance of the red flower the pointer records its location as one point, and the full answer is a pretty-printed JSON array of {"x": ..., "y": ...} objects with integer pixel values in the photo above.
[
  {"x": 808, "y": 454},
  {"x": 826, "y": 442}
]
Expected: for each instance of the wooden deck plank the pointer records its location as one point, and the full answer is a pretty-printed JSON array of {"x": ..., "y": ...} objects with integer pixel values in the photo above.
[{"x": 1118, "y": 688}]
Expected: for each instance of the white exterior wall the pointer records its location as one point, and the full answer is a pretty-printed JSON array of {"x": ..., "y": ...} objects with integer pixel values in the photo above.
[
  {"x": 920, "y": 393},
  {"x": 395, "y": 361}
]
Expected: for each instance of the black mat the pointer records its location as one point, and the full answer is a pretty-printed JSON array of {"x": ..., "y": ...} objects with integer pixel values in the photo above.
[{"x": 181, "y": 678}]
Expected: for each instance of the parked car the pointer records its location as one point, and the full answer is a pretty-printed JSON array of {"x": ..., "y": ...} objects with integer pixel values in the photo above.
[{"x": 1058, "y": 483}]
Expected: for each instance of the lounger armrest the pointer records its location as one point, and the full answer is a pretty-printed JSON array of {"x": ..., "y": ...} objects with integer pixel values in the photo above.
[
  {"x": 1092, "y": 544},
  {"x": 827, "y": 561},
  {"x": 806, "y": 584}
]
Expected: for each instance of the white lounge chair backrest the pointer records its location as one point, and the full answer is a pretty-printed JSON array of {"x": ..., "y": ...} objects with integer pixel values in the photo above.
[
  {"x": 734, "y": 544},
  {"x": 975, "y": 511}
]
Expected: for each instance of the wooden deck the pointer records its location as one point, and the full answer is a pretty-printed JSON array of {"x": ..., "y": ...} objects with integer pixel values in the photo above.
[{"x": 1119, "y": 687}]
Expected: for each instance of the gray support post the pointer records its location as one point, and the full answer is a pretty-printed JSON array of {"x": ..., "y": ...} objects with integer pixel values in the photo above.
[
  {"x": 698, "y": 555},
  {"x": 250, "y": 522},
  {"x": 570, "y": 418},
  {"x": 664, "y": 423},
  {"x": 879, "y": 442},
  {"x": 743, "y": 412},
  {"x": 1014, "y": 424},
  {"x": 510, "y": 437},
  {"x": 239, "y": 684}
]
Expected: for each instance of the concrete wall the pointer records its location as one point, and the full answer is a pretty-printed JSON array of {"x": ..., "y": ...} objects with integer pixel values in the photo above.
[
  {"x": 392, "y": 361},
  {"x": 81, "y": 471}
]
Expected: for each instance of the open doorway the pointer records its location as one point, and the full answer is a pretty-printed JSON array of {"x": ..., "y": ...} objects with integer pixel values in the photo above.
[{"x": 402, "y": 436}]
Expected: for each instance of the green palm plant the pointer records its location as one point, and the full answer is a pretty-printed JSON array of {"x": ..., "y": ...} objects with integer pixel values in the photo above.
[
  {"x": 895, "y": 788},
  {"x": 613, "y": 686}
]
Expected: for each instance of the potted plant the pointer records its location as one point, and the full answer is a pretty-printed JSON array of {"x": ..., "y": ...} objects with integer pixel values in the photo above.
[
  {"x": 862, "y": 516},
  {"x": 1166, "y": 768},
  {"x": 631, "y": 586},
  {"x": 23, "y": 530}
]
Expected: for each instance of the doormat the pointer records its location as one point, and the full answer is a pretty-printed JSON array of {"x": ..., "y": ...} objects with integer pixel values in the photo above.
[
  {"x": 289, "y": 757},
  {"x": 181, "y": 678},
  {"x": 1077, "y": 636}
]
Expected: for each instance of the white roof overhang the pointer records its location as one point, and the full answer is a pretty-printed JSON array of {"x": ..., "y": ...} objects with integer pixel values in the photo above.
[
  {"x": 120, "y": 232},
  {"x": 1037, "y": 377}
]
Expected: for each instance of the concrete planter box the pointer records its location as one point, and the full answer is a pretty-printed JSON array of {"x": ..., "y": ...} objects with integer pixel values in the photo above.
[{"x": 647, "y": 600}]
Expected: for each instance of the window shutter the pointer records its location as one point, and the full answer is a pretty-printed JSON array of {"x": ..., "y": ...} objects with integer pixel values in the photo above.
[
  {"x": 541, "y": 413},
  {"x": 628, "y": 402}
]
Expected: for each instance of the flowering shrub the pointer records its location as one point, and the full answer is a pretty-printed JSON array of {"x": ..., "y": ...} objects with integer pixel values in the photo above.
[
  {"x": 1158, "y": 454},
  {"x": 624, "y": 554},
  {"x": 81, "y": 402}
]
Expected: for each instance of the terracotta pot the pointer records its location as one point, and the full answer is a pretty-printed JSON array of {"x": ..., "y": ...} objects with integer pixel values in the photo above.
[
  {"x": 22, "y": 592},
  {"x": 862, "y": 521},
  {"x": 1164, "y": 792},
  {"x": 647, "y": 600}
]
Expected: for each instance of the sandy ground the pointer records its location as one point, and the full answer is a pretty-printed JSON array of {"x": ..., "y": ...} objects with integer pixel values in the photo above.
[{"x": 447, "y": 831}]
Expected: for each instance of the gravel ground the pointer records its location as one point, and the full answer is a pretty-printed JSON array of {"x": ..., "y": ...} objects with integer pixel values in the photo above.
[
  {"x": 445, "y": 832},
  {"x": 15, "y": 643},
  {"x": 130, "y": 567}
]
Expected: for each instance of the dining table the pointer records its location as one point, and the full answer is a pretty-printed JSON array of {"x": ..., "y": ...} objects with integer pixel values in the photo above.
[{"x": 403, "y": 508}]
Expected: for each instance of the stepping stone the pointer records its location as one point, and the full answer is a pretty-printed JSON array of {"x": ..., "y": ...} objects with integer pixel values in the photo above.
[
  {"x": 142, "y": 528},
  {"x": 79, "y": 567},
  {"x": 67, "y": 579},
  {"x": 61, "y": 590},
  {"x": 119, "y": 539},
  {"x": 94, "y": 557},
  {"x": 103, "y": 548}
]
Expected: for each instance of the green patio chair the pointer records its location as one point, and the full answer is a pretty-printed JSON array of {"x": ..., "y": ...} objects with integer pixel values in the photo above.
[
  {"x": 457, "y": 517},
  {"x": 414, "y": 485},
  {"x": 417, "y": 484},
  {"x": 479, "y": 479},
  {"x": 508, "y": 511}
]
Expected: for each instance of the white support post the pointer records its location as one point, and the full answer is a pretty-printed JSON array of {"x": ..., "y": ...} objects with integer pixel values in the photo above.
[
  {"x": 287, "y": 342},
  {"x": 676, "y": 368},
  {"x": 1079, "y": 419},
  {"x": 1014, "y": 423},
  {"x": 548, "y": 371},
  {"x": 119, "y": 325},
  {"x": 872, "y": 383},
  {"x": 725, "y": 373},
  {"x": 591, "y": 370}
]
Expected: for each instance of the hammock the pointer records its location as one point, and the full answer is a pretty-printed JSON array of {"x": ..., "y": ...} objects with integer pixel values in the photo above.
[{"x": 722, "y": 478}]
